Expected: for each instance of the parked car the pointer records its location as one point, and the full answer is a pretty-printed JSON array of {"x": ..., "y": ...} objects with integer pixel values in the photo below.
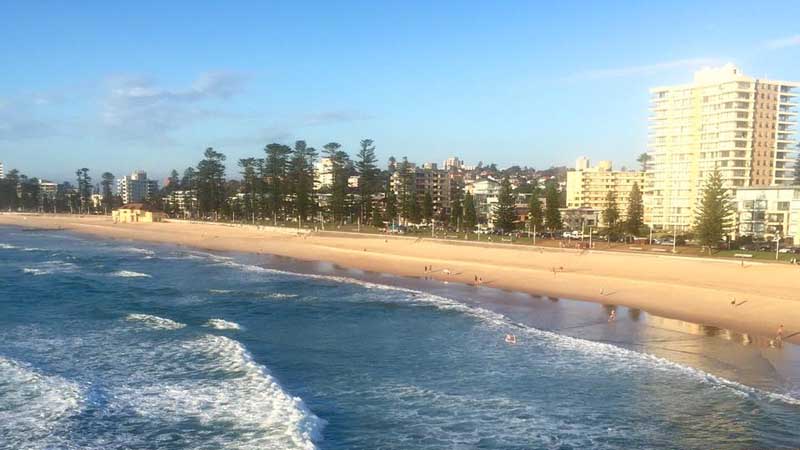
[
  {"x": 397, "y": 229},
  {"x": 758, "y": 247}
]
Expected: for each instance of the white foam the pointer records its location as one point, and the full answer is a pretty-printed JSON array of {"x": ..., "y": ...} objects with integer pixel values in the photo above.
[
  {"x": 155, "y": 322},
  {"x": 610, "y": 352},
  {"x": 281, "y": 296},
  {"x": 220, "y": 291},
  {"x": 49, "y": 267},
  {"x": 129, "y": 274},
  {"x": 255, "y": 410},
  {"x": 220, "y": 324},
  {"x": 141, "y": 251},
  {"x": 334, "y": 278},
  {"x": 33, "y": 249},
  {"x": 7, "y": 246},
  {"x": 35, "y": 408}
]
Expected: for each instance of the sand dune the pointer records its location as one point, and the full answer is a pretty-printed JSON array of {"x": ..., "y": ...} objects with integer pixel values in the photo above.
[{"x": 693, "y": 289}]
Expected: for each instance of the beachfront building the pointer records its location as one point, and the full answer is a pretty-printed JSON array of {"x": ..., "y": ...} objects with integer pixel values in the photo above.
[
  {"x": 484, "y": 192},
  {"x": 136, "y": 187},
  {"x": 442, "y": 185},
  {"x": 47, "y": 188},
  {"x": 96, "y": 200},
  {"x": 181, "y": 203},
  {"x": 588, "y": 187},
  {"x": 323, "y": 173},
  {"x": 766, "y": 212},
  {"x": 581, "y": 219},
  {"x": 724, "y": 120},
  {"x": 2, "y": 171},
  {"x": 136, "y": 213}
]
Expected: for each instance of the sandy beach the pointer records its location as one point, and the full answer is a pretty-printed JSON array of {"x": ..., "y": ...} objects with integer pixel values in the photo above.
[{"x": 691, "y": 289}]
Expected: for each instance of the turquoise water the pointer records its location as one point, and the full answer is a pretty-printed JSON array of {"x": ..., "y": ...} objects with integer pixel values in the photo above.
[{"x": 115, "y": 345}]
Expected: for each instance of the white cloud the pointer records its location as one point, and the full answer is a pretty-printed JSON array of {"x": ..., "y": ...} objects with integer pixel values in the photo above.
[
  {"x": 790, "y": 41},
  {"x": 645, "y": 70},
  {"x": 288, "y": 129},
  {"x": 139, "y": 108},
  {"x": 332, "y": 117},
  {"x": 19, "y": 122}
]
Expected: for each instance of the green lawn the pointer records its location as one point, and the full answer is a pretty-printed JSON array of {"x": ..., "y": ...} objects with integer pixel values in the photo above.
[{"x": 756, "y": 255}]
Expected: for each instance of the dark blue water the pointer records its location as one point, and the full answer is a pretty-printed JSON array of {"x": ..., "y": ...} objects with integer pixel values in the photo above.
[{"x": 113, "y": 345}]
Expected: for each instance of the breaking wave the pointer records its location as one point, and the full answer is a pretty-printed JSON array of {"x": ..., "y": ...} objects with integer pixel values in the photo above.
[
  {"x": 226, "y": 388},
  {"x": 220, "y": 324},
  {"x": 129, "y": 274},
  {"x": 613, "y": 354},
  {"x": 155, "y": 322},
  {"x": 35, "y": 407},
  {"x": 50, "y": 267}
]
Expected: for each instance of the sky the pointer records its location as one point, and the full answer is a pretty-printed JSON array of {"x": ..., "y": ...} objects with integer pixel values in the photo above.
[{"x": 118, "y": 86}]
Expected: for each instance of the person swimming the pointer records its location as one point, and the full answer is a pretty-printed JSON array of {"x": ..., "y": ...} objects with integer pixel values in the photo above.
[{"x": 511, "y": 339}]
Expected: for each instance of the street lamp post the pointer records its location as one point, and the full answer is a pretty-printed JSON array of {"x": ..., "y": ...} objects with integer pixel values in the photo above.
[{"x": 674, "y": 237}]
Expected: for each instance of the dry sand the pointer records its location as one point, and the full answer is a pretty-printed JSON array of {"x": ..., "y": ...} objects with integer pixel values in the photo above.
[{"x": 692, "y": 289}]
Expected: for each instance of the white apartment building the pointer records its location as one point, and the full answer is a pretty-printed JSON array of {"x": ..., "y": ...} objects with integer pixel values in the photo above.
[
  {"x": 485, "y": 192},
  {"x": 135, "y": 188},
  {"x": 2, "y": 171},
  {"x": 453, "y": 163},
  {"x": 764, "y": 212},
  {"x": 588, "y": 187},
  {"x": 182, "y": 203},
  {"x": 724, "y": 120},
  {"x": 323, "y": 173},
  {"x": 48, "y": 188}
]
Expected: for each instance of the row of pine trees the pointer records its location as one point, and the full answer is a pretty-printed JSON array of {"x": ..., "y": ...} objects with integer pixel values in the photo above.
[{"x": 280, "y": 187}]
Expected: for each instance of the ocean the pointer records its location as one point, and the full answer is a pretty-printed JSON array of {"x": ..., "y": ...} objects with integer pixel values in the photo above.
[{"x": 120, "y": 345}]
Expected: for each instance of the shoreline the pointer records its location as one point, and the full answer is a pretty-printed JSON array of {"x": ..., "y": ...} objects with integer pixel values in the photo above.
[{"x": 690, "y": 289}]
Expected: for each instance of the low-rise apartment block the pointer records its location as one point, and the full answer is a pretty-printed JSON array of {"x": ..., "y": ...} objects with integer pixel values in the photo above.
[
  {"x": 766, "y": 212},
  {"x": 588, "y": 187}
]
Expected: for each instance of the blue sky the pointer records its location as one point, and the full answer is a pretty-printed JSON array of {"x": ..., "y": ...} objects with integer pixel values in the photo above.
[{"x": 150, "y": 85}]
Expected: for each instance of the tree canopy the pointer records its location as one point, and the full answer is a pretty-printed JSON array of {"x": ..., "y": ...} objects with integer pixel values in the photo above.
[{"x": 714, "y": 215}]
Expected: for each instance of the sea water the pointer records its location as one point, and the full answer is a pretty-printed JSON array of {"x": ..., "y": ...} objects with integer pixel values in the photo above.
[{"x": 115, "y": 345}]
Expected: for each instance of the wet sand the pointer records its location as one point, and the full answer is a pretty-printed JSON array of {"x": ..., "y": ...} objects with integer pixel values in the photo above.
[{"x": 689, "y": 289}]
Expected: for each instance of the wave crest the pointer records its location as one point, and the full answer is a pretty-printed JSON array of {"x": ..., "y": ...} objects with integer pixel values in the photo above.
[
  {"x": 220, "y": 324},
  {"x": 241, "y": 394},
  {"x": 130, "y": 274},
  {"x": 50, "y": 267},
  {"x": 155, "y": 322},
  {"x": 35, "y": 407}
]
